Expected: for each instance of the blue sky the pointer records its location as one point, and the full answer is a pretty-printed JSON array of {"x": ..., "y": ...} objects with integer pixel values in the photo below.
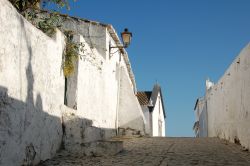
[{"x": 177, "y": 43}]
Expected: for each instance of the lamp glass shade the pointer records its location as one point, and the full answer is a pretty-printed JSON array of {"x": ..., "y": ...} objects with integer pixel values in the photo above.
[{"x": 126, "y": 37}]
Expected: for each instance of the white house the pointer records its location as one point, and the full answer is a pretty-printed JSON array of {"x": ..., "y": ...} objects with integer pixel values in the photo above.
[
  {"x": 152, "y": 104},
  {"x": 200, "y": 125}
]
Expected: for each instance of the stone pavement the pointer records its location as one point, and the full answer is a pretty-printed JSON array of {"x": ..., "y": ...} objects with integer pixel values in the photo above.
[{"x": 163, "y": 152}]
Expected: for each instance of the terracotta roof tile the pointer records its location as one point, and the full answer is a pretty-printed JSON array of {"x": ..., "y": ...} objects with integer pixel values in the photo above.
[{"x": 144, "y": 97}]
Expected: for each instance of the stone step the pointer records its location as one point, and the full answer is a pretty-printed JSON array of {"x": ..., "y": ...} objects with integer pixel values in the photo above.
[
  {"x": 98, "y": 148},
  {"x": 81, "y": 137},
  {"x": 129, "y": 132}
]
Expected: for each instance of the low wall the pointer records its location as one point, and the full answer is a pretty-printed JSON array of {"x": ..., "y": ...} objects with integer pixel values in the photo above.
[
  {"x": 31, "y": 90},
  {"x": 228, "y": 105}
]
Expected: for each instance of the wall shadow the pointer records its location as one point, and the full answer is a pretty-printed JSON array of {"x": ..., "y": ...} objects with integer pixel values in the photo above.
[
  {"x": 78, "y": 132},
  {"x": 26, "y": 131},
  {"x": 28, "y": 135}
]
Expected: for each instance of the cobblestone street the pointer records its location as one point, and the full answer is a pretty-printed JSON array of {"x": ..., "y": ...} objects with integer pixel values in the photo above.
[{"x": 163, "y": 152}]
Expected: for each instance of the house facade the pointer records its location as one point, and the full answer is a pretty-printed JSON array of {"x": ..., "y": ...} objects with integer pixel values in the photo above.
[
  {"x": 200, "y": 125},
  {"x": 152, "y": 104}
]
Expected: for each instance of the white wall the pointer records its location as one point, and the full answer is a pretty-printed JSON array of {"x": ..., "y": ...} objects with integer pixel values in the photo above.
[
  {"x": 156, "y": 116},
  {"x": 31, "y": 90},
  {"x": 147, "y": 116},
  {"x": 95, "y": 34},
  {"x": 203, "y": 129},
  {"x": 101, "y": 75},
  {"x": 130, "y": 113},
  {"x": 97, "y": 86},
  {"x": 105, "y": 92},
  {"x": 228, "y": 103}
]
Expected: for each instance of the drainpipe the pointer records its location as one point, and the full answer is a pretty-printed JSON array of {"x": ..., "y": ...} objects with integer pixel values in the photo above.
[{"x": 118, "y": 95}]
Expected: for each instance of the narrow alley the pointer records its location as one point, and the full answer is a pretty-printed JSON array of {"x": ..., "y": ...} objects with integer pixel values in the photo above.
[{"x": 163, "y": 152}]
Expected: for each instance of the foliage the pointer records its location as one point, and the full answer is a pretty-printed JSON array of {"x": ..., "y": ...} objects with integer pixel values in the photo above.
[
  {"x": 47, "y": 23},
  {"x": 59, "y": 3},
  {"x": 71, "y": 54},
  {"x": 22, "y": 5}
]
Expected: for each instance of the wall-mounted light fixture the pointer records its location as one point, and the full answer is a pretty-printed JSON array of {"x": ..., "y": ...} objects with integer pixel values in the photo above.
[{"x": 126, "y": 39}]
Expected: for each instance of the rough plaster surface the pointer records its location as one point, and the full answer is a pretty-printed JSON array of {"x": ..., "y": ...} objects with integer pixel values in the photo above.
[
  {"x": 228, "y": 105},
  {"x": 31, "y": 89},
  {"x": 203, "y": 122},
  {"x": 201, "y": 117},
  {"x": 148, "y": 120},
  {"x": 94, "y": 34},
  {"x": 94, "y": 88},
  {"x": 81, "y": 137},
  {"x": 101, "y": 90},
  {"x": 130, "y": 113}
]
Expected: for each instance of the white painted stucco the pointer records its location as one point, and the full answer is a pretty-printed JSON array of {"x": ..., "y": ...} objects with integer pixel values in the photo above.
[
  {"x": 130, "y": 113},
  {"x": 200, "y": 126},
  {"x": 147, "y": 116},
  {"x": 31, "y": 90},
  {"x": 105, "y": 88},
  {"x": 97, "y": 86},
  {"x": 105, "y": 92},
  {"x": 33, "y": 116},
  {"x": 228, "y": 105},
  {"x": 158, "y": 120}
]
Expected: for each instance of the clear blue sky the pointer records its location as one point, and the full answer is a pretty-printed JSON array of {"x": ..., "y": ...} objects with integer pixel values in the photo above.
[{"x": 179, "y": 43}]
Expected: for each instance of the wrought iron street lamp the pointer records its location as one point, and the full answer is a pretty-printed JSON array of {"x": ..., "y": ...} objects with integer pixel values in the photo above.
[{"x": 126, "y": 39}]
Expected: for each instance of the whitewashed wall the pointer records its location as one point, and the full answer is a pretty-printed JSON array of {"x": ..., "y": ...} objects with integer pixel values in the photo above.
[
  {"x": 147, "y": 116},
  {"x": 93, "y": 33},
  {"x": 97, "y": 86},
  {"x": 157, "y": 115},
  {"x": 130, "y": 113},
  {"x": 105, "y": 91},
  {"x": 201, "y": 117},
  {"x": 228, "y": 105},
  {"x": 203, "y": 129},
  {"x": 31, "y": 90}
]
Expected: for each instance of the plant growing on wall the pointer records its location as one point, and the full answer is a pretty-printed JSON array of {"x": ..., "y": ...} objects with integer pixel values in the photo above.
[
  {"x": 22, "y": 5},
  {"x": 48, "y": 24},
  {"x": 71, "y": 55},
  {"x": 59, "y": 3}
]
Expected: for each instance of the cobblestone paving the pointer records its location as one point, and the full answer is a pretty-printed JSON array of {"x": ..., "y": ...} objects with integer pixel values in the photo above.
[{"x": 164, "y": 152}]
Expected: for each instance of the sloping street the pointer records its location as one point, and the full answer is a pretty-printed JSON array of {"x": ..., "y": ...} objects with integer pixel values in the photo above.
[{"x": 163, "y": 152}]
